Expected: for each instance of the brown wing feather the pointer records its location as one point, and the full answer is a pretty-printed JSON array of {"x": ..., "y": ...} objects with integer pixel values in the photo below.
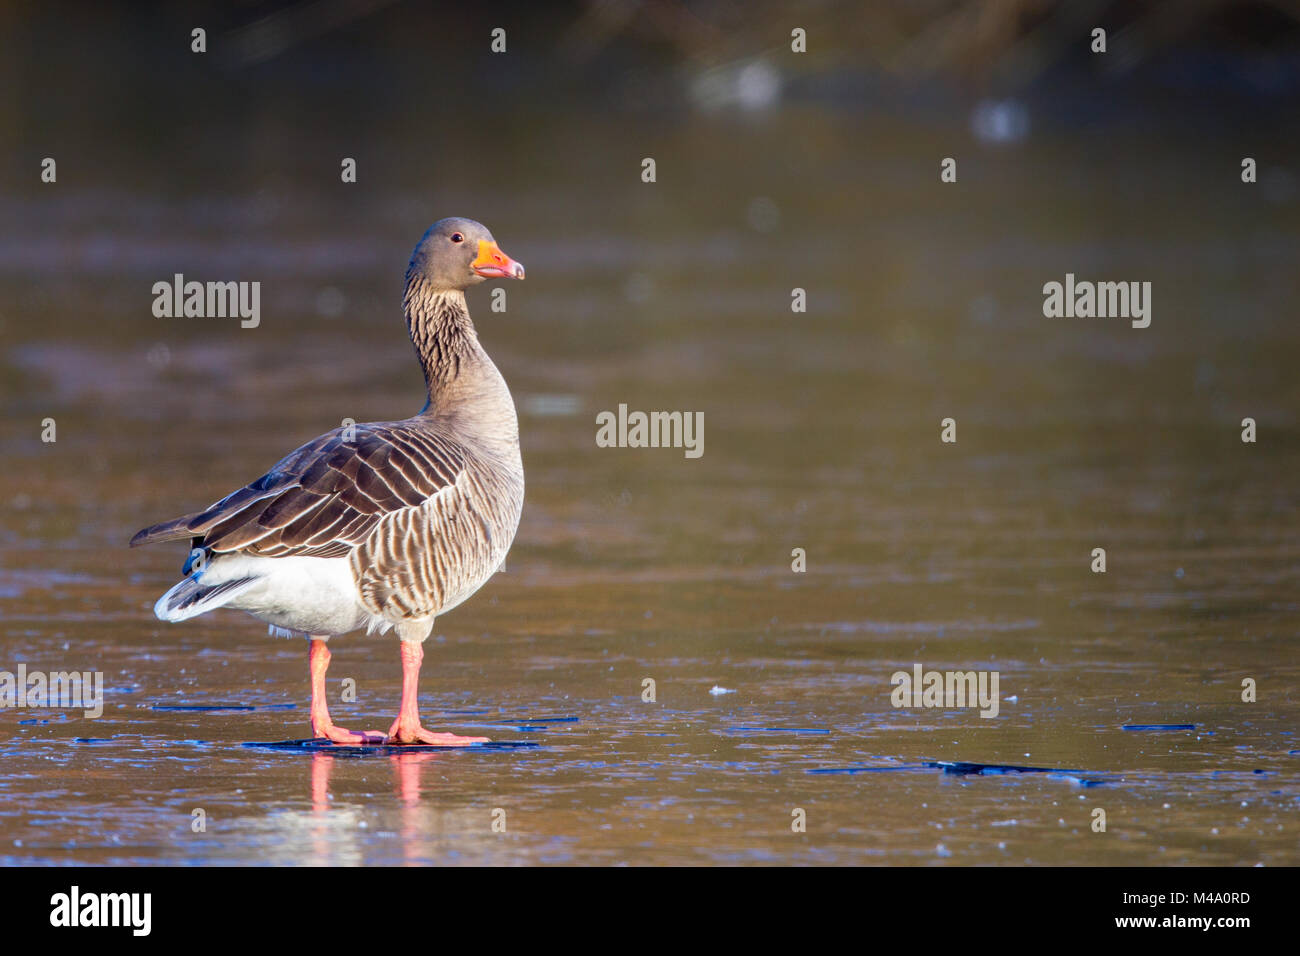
[{"x": 325, "y": 498}]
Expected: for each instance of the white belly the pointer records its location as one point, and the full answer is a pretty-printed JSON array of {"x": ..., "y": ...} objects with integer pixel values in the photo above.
[{"x": 315, "y": 596}]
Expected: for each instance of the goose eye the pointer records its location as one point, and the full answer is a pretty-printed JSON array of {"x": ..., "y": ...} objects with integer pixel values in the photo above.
[{"x": 457, "y": 237}]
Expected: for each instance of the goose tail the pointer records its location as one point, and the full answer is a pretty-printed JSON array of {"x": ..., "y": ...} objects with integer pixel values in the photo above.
[{"x": 191, "y": 598}]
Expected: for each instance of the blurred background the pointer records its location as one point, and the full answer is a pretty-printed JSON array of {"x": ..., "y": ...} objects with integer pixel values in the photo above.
[{"x": 775, "y": 170}]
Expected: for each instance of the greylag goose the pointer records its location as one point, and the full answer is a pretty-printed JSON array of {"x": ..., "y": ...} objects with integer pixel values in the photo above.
[{"x": 383, "y": 525}]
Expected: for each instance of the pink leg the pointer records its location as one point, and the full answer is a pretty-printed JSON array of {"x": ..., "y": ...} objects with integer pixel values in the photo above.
[
  {"x": 321, "y": 725},
  {"x": 406, "y": 728}
]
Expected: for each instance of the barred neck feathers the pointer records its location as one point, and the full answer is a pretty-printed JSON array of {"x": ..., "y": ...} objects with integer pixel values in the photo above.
[{"x": 441, "y": 331}]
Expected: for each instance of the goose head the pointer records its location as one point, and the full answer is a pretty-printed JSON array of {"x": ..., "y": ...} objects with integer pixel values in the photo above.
[{"x": 457, "y": 253}]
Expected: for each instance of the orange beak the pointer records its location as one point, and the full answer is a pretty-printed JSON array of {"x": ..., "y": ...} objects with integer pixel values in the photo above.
[{"x": 492, "y": 263}]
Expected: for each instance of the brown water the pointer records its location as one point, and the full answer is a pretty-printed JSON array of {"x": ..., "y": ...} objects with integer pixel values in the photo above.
[{"x": 821, "y": 432}]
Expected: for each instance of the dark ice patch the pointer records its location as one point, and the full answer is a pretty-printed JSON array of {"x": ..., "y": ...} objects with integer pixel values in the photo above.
[
  {"x": 217, "y": 708},
  {"x": 1158, "y": 727},
  {"x": 379, "y": 750}
]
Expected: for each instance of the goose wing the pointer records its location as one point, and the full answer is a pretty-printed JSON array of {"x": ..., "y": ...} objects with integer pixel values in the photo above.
[{"x": 324, "y": 499}]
